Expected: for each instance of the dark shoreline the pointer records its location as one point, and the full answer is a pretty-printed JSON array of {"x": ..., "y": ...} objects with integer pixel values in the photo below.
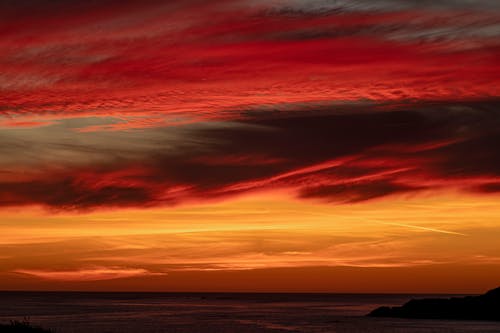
[{"x": 482, "y": 307}]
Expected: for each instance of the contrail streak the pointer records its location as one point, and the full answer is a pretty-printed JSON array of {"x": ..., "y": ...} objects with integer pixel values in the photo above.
[{"x": 424, "y": 228}]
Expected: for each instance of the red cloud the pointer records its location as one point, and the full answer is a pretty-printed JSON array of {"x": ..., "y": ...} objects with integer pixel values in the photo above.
[
  {"x": 200, "y": 61},
  {"x": 197, "y": 100}
]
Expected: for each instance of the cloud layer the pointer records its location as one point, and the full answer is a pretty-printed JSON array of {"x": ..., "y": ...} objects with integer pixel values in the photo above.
[
  {"x": 341, "y": 154},
  {"x": 119, "y": 104}
]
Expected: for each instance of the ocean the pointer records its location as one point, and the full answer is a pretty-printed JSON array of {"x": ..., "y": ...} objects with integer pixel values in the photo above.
[{"x": 86, "y": 312}]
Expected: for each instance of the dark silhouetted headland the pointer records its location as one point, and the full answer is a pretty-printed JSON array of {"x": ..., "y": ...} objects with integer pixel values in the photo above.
[
  {"x": 483, "y": 307},
  {"x": 21, "y": 327}
]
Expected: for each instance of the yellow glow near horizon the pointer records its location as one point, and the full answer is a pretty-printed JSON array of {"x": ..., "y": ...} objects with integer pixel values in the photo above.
[{"x": 255, "y": 232}]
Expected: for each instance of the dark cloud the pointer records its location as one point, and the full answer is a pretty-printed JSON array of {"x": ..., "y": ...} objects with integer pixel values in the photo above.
[
  {"x": 357, "y": 191},
  {"x": 476, "y": 156},
  {"x": 70, "y": 194},
  {"x": 353, "y": 155},
  {"x": 328, "y": 6},
  {"x": 488, "y": 188}
]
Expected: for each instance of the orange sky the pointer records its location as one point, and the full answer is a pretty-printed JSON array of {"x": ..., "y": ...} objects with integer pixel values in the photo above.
[
  {"x": 250, "y": 145},
  {"x": 439, "y": 243}
]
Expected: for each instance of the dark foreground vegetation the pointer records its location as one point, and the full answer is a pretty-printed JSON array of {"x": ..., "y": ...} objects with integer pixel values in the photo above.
[
  {"x": 22, "y": 327},
  {"x": 483, "y": 307}
]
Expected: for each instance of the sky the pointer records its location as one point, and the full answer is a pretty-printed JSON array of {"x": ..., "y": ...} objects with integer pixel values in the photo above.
[{"x": 250, "y": 145}]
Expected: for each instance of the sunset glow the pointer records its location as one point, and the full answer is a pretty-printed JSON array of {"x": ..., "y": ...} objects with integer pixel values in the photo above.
[{"x": 288, "y": 145}]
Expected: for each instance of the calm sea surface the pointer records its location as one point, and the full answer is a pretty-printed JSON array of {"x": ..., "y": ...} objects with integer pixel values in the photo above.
[{"x": 71, "y": 312}]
